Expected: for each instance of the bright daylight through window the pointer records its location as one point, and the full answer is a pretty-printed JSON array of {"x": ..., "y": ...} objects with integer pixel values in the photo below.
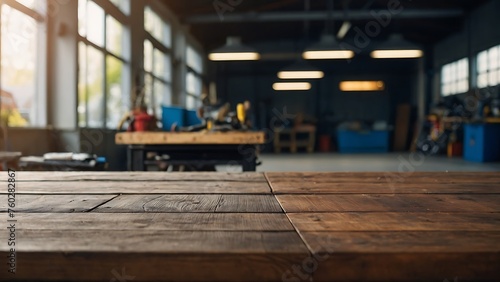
[
  {"x": 104, "y": 81},
  {"x": 23, "y": 40}
]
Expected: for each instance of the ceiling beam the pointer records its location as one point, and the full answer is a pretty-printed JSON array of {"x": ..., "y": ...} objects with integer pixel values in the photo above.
[{"x": 321, "y": 16}]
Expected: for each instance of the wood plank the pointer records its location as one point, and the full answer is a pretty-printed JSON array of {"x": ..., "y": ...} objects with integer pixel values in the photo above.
[
  {"x": 54, "y": 203},
  {"x": 154, "y": 221},
  {"x": 389, "y": 203},
  {"x": 192, "y": 203},
  {"x": 157, "y": 256},
  {"x": 394, "y": 221},
  {"x": 385, "y": 177},
  {"x": 299, "y": 187},
  {"x": 404, "y": 256},
  {"x": 403, "y": 242},
  {"x": 137, "y": 176},
  {"x": 141, "y": 187},
  {"x": 190, "y": 138}
]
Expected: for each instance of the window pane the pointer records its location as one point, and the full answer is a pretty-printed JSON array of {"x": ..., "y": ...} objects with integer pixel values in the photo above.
[
  {"x": 82, "y": 17},
  {"x": 157, "y": 27},
  {"x": 82, "y": 85},
  {"x": 162, "y": 96},
  {"x": 190, "y": 102},
  {"x": 123, "y": 5},
  {"x": 95, "y": 75},
  {"x": 482, "y": 62},
  {"x": 114, "y": 36},
  {"x": 493, "y": 58},
  {"x": 18, "y": 62},
  {"x": 148, "y": 92},
  {"x": 493, "y": 78},
  {"x": 193, "y": 84},
  {"x": 194, "y": 60},
  {"x": 445, "y": 74},
  {"x": 482, "y": 80},
  {"x": 117, "y": 97},
  {"x": 148, "y": 56},
  {"x": 162, "y": 65},
  {"x": 95, "y": 23}
]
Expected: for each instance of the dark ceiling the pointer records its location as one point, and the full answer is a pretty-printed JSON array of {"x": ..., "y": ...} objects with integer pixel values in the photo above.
[{"x": 421, "y": 21}]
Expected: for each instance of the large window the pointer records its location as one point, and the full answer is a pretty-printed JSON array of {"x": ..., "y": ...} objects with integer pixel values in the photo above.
[
  {"x": 23, "y": 73},
  {"x": 157, "y": 62},
  {"x": 103, "y": 86},
  {"x": 488, "y": 67},
  {"x": 455, "y": 77},
  {"x": 194, "y": 83}
]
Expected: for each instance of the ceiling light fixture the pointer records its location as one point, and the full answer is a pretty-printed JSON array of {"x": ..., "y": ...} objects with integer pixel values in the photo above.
[
  {"x": 361, "y": 86},
  {"x": 397, "y": 48},
  {"x": 234, "y": 50},
  {"x": 300, "y": 74},
  {"x": 291, "y": 86},
  {"x": 327, "y": 49},
  {"x": 300, "y": 70},
  {"x": 396, "y": 54}
]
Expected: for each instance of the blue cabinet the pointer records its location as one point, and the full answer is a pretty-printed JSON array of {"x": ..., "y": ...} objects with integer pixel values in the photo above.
[
  {"x": 482, "y": 142},
  {"x": 369, "y": 141}
]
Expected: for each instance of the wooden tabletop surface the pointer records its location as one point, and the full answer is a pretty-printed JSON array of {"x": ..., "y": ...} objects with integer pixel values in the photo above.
[
  {"x": 190, "y": 138},
  {"x": 149, "y": 226}
]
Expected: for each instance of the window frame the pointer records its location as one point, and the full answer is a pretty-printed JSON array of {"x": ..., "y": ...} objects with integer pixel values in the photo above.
[
  {"x": 168, "y": 52},
  {"x": 40, "y": 115},
  {"x": 197, "y": 73},
  {"x": 454, "y": 78},
  {"x": 488, "y": 69},
  {"x": 115, "y": 12}
]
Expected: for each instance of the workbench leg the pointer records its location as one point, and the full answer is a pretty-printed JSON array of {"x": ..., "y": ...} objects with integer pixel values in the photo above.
[
  {"x": 249, "y": 165},
  {"x": 137, "y": 160}
]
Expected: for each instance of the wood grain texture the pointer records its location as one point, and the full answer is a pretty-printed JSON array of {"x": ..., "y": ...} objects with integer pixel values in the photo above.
[
  {"x": 404, "y": 256},
  {"x": 154, "y": 221},
  {"x": 137, "y": 176},
  {"x": 189, "y": 138},
  {"x": 409, "y": 267},
  {"x": 192, "y": 203},
  {"x": 156, "y": 255},
  {"x": 394, "y": 221},
  {"x": 159, "y": 241},
  {"x": 55, "y": 203},
  {"x": 385, "y": 177},
  {"x": 390, "y": 203},
  {"x": 403, "y": 242},
  {"x": 189, "y": 267},
  {"x": 300, "y": 187},
  {"x": 141, "y": 187}
]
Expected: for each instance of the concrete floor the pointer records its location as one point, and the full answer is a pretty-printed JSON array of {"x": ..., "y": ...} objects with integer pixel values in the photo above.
[{"x": 395, "y": 162}]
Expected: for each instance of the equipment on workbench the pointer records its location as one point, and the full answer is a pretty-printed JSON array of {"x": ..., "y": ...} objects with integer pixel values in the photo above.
[{"x": 220, "y": 118}]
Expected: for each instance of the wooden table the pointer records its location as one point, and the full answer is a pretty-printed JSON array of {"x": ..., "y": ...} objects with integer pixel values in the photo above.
[
  {"x": 193, "y": 148},
  {"x": 139, "y": 226}
]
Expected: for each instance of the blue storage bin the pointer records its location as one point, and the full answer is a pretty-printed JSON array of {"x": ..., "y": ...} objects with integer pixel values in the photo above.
[
  {"x": 482, "y": 142},
  {"x": 171, "y": 115},
  {"x": 370, "y": 141},
  {"x": 192, "y": 118}
]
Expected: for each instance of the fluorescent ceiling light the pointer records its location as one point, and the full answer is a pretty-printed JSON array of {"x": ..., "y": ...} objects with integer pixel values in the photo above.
[
  {"x": 360, "y": 86},
  {"x": 328, "y": 55},
  {"x": 234, "y": 50},
  {"x": 396, "y": 54},
  {"x": 300, "y": 74},
  {"x": 291, "y": 86},
  {"x": 327, "y": 49},
  {"x": 236, "y": 56}
]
